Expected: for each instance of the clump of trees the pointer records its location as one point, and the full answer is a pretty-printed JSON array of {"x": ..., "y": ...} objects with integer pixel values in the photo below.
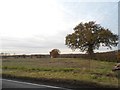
[
  {"x": 90, "y": 36},
  {"x": 54, "y": 53}
]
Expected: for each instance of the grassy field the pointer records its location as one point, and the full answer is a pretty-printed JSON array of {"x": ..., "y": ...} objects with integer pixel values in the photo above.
[{"x": 69, "y": 70}]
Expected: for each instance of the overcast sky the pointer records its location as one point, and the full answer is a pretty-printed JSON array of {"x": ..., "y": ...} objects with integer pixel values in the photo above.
[{"x": 37, "y": 26}]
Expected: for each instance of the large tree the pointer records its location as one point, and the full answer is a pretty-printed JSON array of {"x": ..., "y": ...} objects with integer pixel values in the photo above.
[{"x": 90, "y": 36}]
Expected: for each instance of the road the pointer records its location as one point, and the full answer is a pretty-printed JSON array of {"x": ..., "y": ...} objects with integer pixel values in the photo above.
[{"x": 18, "y": 84}]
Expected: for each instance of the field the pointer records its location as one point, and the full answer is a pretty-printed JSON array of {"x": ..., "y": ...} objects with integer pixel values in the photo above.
[{"x": 72, "y": 71}]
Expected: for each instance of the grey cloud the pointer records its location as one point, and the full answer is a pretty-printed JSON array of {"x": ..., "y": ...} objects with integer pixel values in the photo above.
[{"x": 32, "y": 43}]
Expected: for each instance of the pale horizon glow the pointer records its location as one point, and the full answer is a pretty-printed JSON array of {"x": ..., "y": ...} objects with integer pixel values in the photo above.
[{"x": 38, "y": 26}]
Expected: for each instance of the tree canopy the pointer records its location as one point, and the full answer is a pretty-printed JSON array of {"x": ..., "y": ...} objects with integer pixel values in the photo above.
[{"x": 90, "y": 36}]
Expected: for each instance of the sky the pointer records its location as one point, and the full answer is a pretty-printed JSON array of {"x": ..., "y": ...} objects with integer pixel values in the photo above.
[{"x": 38, "y": 26}]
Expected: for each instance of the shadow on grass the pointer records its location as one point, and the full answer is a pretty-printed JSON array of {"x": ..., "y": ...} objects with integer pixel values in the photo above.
[{"x": 71, "y": 84}]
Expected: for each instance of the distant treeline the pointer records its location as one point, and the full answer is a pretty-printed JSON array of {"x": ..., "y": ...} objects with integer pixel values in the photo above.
[
  {"x": 113, "y": 56},
  {"x": 27, "y": 56},
  {"x": 106, "y": 56}
]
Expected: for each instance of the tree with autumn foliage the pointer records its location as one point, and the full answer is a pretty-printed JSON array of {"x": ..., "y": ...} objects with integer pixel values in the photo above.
[
  {"x": 54, "y": 53},
  {"x": 90, "y": 36}
]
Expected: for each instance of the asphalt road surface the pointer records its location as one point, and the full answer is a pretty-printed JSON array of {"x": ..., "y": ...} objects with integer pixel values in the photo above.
[{"x": 18, "y": 84}]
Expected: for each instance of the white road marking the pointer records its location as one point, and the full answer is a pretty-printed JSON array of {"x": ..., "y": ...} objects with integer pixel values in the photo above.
[{"x": 34, "y": 84}]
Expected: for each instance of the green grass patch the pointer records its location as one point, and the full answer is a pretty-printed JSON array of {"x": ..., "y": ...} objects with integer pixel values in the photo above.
[{"x": 39, "y": 69}]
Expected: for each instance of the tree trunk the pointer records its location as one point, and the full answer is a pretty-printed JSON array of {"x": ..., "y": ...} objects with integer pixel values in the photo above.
[
  {"x": 90, "y": 50},
  {"x": 90, "y": 53}
]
